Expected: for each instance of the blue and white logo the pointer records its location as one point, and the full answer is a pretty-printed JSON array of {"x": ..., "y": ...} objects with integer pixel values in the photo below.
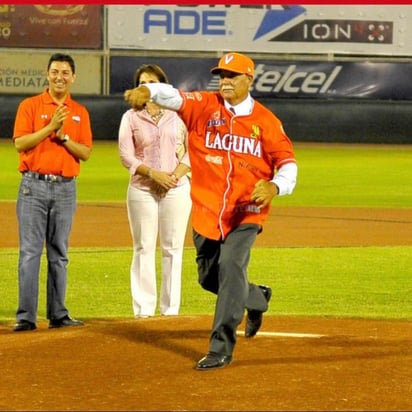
[{"x": 276, "y": 19}]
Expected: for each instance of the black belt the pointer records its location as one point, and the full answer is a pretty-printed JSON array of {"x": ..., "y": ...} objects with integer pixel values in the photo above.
[{"x": 48, "y": 177}]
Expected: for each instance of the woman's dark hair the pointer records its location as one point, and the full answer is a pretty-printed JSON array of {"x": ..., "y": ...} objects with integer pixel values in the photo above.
[
  {"x": 60, "y": 57},
  {"x": 150, "y": 68}
]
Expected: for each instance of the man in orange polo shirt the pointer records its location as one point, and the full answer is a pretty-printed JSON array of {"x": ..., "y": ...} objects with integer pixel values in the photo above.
[
  {"x": 241, "y": 158},
  {"x": 52, "y": 134}
]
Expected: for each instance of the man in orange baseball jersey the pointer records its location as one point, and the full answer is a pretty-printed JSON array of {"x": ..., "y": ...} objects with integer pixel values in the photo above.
[
  {"x": 241, "y": 158},
  {"x": 52, "y": 134}
]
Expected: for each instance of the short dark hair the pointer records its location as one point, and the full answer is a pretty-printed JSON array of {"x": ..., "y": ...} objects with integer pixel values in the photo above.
[
  {"x": 60, "y": 57},
  {"x": 150, "y": 68}
]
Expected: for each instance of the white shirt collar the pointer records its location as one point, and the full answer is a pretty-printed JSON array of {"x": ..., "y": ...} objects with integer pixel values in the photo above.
[{"x": 243, "y": 108}]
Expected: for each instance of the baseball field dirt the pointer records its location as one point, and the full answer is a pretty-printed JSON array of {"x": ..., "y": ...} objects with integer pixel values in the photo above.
[{"x": 294, "y": 363}]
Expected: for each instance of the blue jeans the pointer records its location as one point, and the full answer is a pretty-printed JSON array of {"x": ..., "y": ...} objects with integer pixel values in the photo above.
[{"x": 45, "y": 214}]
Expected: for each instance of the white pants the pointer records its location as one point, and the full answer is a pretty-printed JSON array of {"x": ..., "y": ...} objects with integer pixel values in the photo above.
[{"x": 149, "y": 216}]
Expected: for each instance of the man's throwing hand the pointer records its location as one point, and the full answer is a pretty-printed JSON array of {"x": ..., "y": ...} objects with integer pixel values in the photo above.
[
  {"x": 137, "y": 97},
  {"x": 263, "y": 193}
]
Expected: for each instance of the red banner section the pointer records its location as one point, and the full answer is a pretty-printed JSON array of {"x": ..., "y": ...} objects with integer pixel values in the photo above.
[{"x": 51, "y": 26}]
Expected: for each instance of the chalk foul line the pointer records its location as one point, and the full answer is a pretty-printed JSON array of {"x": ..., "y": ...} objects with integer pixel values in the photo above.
[{"x": 286, "y": 334}]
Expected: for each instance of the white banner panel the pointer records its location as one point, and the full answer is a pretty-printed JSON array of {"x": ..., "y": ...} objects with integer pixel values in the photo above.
[
  {"x": 25, "y": 72},
  {"x": 350, "y": 29}
]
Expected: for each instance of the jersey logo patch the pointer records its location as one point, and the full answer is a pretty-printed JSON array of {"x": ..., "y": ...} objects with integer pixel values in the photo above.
[
  {"x": 216, "y": 120},
  {"x": 217, "y": 160},
  {"x": 255, "y": 132}
]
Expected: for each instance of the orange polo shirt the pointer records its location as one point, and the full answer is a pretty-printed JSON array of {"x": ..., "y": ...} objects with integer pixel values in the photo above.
[{"x": 50, "y": 156}]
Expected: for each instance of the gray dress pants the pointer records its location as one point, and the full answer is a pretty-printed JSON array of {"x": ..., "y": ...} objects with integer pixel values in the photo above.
[{"x": 222, "y": 269}]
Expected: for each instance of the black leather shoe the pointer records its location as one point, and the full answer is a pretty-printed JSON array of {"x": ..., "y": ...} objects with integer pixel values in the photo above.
[
  {"x": 64, "y": 322},
  {"x": 213, "y": 361},
  {"x": 254, "y": 317},
  {"x": 23, "y": 325}
]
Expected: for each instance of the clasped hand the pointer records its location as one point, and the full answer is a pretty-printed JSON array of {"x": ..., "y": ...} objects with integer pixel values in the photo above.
[
  {"x": 162, "y": 182},
  {"x": 60, "y": 115},
  {"x": 165, "y": 179}
]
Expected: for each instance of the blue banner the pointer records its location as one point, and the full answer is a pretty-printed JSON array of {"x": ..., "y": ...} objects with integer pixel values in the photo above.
[{"x": 280, "y": 79}]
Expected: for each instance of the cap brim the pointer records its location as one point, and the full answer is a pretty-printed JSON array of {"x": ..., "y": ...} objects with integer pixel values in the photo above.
[{"x": 217, "y": 70}]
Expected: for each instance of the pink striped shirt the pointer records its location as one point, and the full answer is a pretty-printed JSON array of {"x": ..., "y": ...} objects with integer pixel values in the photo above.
[{"x": 159, "y": 147}]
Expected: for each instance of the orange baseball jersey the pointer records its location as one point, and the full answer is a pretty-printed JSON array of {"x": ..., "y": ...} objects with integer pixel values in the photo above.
[
  {"x": 50, "y": 156},
  {"x": 228, "y": 155}
]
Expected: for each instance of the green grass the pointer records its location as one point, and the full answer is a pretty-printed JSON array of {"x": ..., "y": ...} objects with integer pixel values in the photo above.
[
  {"x": 353, "y": 175},
  {"x": 365, "y": 282},
  {"x": 102, "y": 177},
  {"x": 329, "y": 175},
  {"x": 335, "y": 282}
]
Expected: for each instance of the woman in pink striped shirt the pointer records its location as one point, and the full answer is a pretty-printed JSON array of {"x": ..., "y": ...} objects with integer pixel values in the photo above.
[{"x": 152, "y": 147}]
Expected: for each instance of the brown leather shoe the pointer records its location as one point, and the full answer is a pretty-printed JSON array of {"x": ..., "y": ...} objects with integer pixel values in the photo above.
[
  {"x": 213, "y": 361},
  {"x": 254, "y": 317}
]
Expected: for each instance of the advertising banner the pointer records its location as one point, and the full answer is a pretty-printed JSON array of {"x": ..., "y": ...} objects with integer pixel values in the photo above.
[
  {"x": 362, "y": 80},
  {"x": 51, "y": 26},
  {"x": 26, "y": 73},
  {"x": 355, "y": 29}
]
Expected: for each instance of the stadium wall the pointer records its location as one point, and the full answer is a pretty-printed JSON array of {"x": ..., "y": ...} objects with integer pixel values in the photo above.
[{"x": 305, "y": 120}]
